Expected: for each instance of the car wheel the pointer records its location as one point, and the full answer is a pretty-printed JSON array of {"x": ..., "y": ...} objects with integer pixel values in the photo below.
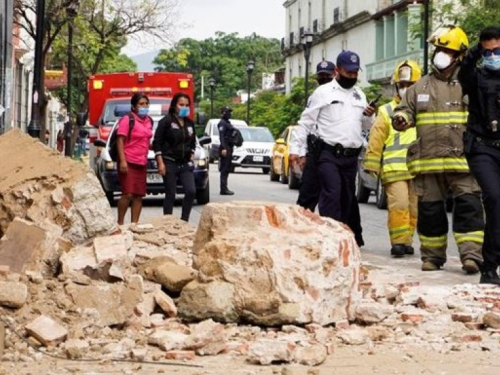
[
  {"x": 283, "y": 178},
  {"x": 273, "y": 176},
  {"x": 110, "y": 196},
  {"x": 381, "y": 196},
  {"x": 266, "y": 170},
  {"x": 203, "y": 196},
  {"x": 362, "y": 193},
  {"x": 293, "y": 182}
]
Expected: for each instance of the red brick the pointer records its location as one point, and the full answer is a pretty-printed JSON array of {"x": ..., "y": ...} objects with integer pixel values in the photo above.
[
  {"x": 470, "y": 338},
  {"x": 180, "y": 355},
  {"x": 461, "y": 317},
  {"x": 412, "y": 318},
  {"x": 342, "y": 324}
]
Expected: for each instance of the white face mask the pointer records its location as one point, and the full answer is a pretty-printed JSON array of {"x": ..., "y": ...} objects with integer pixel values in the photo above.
[
  {"x": 402, "y": 92},
  {"x": 442, "y": 60}
]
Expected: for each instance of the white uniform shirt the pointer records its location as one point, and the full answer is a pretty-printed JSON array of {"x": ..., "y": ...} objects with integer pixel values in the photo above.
[{"x": 338, "y": 115}]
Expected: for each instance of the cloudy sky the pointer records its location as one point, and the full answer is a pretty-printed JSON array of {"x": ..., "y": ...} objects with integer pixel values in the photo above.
[{"x": 204, "y": 17}]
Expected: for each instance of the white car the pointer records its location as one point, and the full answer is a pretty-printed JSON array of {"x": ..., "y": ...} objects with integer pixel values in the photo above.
[
  {"x": 212, "y": 131},
  {"x": 255, "y": 152}
]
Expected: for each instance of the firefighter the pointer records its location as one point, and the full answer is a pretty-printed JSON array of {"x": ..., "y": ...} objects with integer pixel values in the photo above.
[
  {"x": 482, "y": 139},
  {"x": 386, "y": 155},
  {"x": 434, "y": 105}
]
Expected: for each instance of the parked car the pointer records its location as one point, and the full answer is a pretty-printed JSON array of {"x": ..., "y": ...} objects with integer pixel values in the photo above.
[
  {"x": 255, "y": 152},
  {"x": 106, "y": 171},
  {"x": 212, "y": 131},
  {"x": 280, "y": 167}
]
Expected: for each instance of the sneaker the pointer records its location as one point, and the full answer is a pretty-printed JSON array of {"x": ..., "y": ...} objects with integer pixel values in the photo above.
[
  {"x": 409, "y": 250},
  {"x": 470, "y": 266},
  {"x": 398, "y": 251},
  {"x": 227, "y": 192},
  {"x": 429, "y": 266}
]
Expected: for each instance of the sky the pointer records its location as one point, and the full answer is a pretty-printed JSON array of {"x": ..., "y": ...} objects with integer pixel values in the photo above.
[{"x": 204, "y": 17}]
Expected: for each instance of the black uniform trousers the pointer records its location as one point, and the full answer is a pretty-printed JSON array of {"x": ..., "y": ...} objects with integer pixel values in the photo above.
[
  {"x": 310, "y": 186},
  {"x": 225, "y": 168},
  {"x": 183, "y": 172},
  {"x": 484, "y": 163},
  {"x": 337, "y": 199}
]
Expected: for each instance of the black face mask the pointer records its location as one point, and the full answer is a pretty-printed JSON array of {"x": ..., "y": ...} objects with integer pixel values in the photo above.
[
  {"x": 226, "y": 116},
  {"x": 346, "y": 83},
  {"x": 323, "y": 80}
]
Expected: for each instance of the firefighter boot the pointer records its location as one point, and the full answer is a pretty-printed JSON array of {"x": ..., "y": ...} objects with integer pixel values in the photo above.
[
  {"x": 430, "y": 266},
  {"x": 398, "y": 251},
  {"x": 470, "y": 266},
  {"x": 409, "y": 250}
]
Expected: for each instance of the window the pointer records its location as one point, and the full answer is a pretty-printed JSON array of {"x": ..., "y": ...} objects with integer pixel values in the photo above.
[
  {"x": 336, "y": 15},
  {"x": 315, "y": 26},
  {"x": 292, "y": 36},
  {"x": 301, "y": 32}
]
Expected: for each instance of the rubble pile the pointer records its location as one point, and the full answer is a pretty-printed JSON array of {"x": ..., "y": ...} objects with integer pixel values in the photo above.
[
  {"x": 40, "y": 185},
  {"x": 271, "y": 283}
]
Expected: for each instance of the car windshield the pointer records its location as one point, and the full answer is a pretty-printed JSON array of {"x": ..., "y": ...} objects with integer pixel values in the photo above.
[
  {"x": 256, "y": 134},
  {"x": 156, "y": 107}
]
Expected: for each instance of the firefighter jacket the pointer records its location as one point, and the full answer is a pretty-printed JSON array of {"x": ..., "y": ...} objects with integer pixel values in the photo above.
[
  {"x": 434, "y": 105},
  {"x": 387, "y": 147}
]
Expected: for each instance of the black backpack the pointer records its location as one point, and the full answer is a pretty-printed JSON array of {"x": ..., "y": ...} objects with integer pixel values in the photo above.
[
  {"x": 236, "y": 137},
  {"x": 113, "y": 138}
]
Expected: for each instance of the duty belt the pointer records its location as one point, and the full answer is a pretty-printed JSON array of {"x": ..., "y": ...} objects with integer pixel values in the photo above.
[
  {"x": 495, "y": 143},
  {"x": 339, "y": 150}
]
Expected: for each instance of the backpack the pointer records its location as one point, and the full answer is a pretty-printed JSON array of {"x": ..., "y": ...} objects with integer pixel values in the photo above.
[{"x": 236, "y": 138}]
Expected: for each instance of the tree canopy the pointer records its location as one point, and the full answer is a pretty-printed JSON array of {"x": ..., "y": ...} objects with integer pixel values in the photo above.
[{"x": 223, "y": 58}]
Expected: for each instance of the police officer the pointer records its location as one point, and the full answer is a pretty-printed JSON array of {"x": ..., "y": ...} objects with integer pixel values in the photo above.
[
  {"x": 435, "y": 106},
  {"x": 310, "y": 185},
  {"x": 339, "y": 111},
  {"x": 482, "y": 139},
  {"x": 225, "y": 150}
]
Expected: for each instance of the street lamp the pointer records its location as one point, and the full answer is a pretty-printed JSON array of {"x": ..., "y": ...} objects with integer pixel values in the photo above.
[
  {"x": 307, "y": 39},
  {"x": 71, "y": 11},
  {"x": 426, "y": 35},
  {"x": 250, "y": 68},
  {"x": 38, "y": 92},
  {"x": 211, "y": 82}
]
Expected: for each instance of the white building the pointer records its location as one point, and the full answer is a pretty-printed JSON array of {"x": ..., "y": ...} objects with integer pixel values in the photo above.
[{"x": 337, "y": 25}]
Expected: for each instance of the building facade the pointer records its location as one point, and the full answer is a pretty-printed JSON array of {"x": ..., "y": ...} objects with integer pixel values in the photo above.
[{"x": 6, "y": 62}]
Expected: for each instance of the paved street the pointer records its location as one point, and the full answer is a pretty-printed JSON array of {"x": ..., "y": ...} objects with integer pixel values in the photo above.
[{"x": 251, "y": 184}]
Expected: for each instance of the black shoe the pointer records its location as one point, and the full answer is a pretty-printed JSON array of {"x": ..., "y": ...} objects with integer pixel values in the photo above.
[
  {"x": 359, "y": 241},
  {"x": 489, "y": 277},
  {"x": 398, "y": 251},
  {"x": 409, "y": 250},
  {"x": 227, "y": 192}
]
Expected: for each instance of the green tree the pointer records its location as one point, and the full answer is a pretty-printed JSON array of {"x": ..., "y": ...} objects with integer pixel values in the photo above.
[{"x": 224, "y": 58}]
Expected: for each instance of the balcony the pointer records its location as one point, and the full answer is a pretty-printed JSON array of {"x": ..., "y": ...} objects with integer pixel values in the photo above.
[{"x": 382, "y": 70}]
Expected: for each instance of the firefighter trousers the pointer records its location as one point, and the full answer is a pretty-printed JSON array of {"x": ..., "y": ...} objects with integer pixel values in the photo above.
[
  {"x": 402, "y": 211},
  {"x": 468, "y": 217}
]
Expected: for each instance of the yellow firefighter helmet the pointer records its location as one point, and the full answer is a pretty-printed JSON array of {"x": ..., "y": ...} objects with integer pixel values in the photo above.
[
  {"x": 450, "y": 37},
  {"x": 407, "y": 71}
]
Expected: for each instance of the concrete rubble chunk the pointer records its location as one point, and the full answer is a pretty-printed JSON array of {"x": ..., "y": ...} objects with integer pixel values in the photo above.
[
  {"x": 373, "y": 312},
  {"x": 13, "y": 294},
  {"x": 76, "y": 349},
  {"x": 30, "y": 247},
  {"x": 109, "y": 249},
  {"x": 59, "y": 189},
  {"x": 312, "y": 355},
  {"x": 492, "y": 320},
  {"x": 303, "y": 280},
  {"x": 166, "y": 303},
  {"x": 168, "y": 340},
  {"x": 265, "y": 352},
  {"x": 115, "y": 303},
  {"x": 354, "y": 336},
  {"x": 172, "y": 276},
  {"x": 205, "y": 333},
  {"x": 47, "y": 331}
]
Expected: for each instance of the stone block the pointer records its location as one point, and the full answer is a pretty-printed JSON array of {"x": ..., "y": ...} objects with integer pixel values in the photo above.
[
  {"x": 373, "y": 312},
  {"x": 492, "y": 320},
  {"x": 265, "y": 351},
  {"x": 354, "y": 336},
  {"x": 47, "y": 331},
  {"x": 76, "y": 349},
  {"x": 172, "y": 276},
  {"x": 313, "y": 355},
  {"x": 180, "y": 355},
  {"x": 110, "y": 249},
  {"x": 205, "y": 333},
  {"x": 13, "y": 294},
  {"x": 166, "y": 303}
]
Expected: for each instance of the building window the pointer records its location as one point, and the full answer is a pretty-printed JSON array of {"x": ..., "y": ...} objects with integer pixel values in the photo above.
[
  {"x": 292, "y": 41},
  {"x": 301, "y": 32},
  {"x": 336, "y": 15},
  {"x": 315, "y": 26}
]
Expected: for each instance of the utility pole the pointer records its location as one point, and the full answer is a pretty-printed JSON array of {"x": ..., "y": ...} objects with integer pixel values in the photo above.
[
  {"x": 38, "y": 90},
  {"x": 426, "y": 34}
]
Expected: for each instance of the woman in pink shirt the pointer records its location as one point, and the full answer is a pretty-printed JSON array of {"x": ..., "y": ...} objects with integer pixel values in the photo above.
[{"x": 133, "y": 157}]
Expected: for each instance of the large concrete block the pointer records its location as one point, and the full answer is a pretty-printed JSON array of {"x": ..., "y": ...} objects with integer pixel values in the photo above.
[{"x": 47, "y": 331}]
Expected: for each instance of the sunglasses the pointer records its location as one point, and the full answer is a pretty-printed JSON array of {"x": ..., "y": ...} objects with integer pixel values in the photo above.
[{"x": 489, "y": 52}]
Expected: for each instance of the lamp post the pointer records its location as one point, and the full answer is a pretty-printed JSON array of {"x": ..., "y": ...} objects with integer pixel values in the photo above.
[
  {"x": 34, "y": 125},
  {"x": 307, "y": 39},
  {"x": 71, "y": 11},
  {"x": 426, "y": 35},
  {"x": 250, "y": 68},
  {"x": 211, "y": 83}
]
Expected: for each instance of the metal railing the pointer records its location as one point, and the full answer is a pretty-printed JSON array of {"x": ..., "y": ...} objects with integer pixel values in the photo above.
[{"x": 383, "y": 69}]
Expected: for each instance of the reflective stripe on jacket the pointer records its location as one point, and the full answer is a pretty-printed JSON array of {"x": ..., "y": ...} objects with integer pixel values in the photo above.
[{"x": 434, "y": 105}]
